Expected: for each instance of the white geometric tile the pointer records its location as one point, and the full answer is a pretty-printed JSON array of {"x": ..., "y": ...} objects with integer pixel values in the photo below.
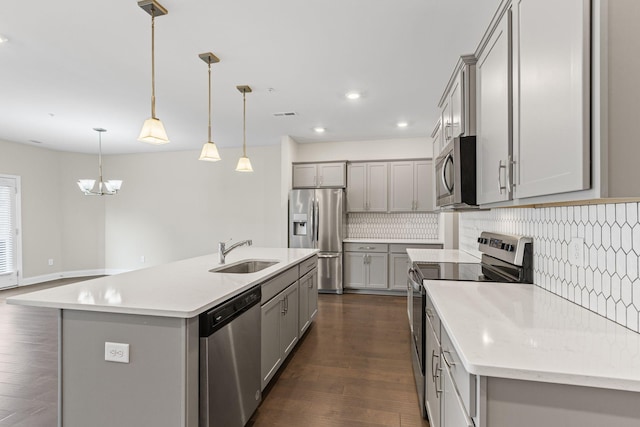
[
  {"x": 621, "y": 213},
  {"x": 626, "y": 294},
  {"x": 632, "y": 213}
]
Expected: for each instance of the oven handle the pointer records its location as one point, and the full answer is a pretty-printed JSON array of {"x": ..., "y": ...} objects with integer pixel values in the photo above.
[
  {"x": 415, "y": 281},
  {"x": 447, "y": 160}
]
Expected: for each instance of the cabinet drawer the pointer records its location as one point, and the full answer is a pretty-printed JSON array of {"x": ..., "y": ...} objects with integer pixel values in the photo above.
[
  {"x": 274, "y": 286},
  {"x": 366, "y": 247},
  {"x": 465, "y": 382},
  {"x": 398, "y": 248},
  {"x": 308, "y": 265}
]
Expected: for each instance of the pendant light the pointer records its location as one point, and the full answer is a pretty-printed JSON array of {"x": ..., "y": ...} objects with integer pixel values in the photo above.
[
  {"x": 153, "y": 130},
  {"x": 105, "y": 188},
  {"x": 209, "y": 149},
  {"x": 244, "y": 164}
]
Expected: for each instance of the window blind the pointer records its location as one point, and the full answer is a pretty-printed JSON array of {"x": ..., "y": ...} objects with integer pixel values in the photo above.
[{"x": 7, "y": 229}]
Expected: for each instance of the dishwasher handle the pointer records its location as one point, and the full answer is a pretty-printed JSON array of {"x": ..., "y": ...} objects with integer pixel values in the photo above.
[{"x": 221, "y": 315}]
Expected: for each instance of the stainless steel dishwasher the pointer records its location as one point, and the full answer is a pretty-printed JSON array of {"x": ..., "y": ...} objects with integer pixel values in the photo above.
[{"x": 230, "y": 361}]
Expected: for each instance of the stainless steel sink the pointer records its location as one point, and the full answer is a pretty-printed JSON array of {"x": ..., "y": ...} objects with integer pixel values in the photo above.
[{"x": 245, "y": 267}]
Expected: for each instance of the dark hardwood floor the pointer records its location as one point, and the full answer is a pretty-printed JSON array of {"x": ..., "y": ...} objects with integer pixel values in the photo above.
[{"x": 352, "y": 368}]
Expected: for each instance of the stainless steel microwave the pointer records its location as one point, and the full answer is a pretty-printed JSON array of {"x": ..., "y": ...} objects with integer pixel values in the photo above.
[{"x": 455, "y": 174}]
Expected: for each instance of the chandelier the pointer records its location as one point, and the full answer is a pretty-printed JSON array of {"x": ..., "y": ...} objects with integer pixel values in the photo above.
[{"x": 105, "y": 188}]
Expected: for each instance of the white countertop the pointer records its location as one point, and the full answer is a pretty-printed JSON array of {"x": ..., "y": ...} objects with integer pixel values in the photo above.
[
  {"x": 179, "y": 289},
  {"x": 441, "y": 255},
  {"x": 399, "y": 241},
  {"x": 523, "y": 332}
]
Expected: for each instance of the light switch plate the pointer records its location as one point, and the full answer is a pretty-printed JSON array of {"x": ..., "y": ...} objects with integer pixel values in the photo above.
[
  {"x": 116, "y": 352},
  {"x": 576, "y": 251}
]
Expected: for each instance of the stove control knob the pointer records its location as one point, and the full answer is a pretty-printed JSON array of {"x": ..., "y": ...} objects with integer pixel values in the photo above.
[
  {"x": 480, "y": 239},
  {"x": 510, "y": 248},
  {"x": 503, "y": 246}
]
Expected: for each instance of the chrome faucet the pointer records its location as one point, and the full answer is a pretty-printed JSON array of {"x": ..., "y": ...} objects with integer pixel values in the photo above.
[{"x": 223, "y": 251}]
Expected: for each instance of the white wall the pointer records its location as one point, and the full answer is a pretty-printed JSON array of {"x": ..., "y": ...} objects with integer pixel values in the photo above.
[
  {"x": 386, "y": 149},
  {"x": 173, "y": 206},
  {"x": 57, "y": 221}
]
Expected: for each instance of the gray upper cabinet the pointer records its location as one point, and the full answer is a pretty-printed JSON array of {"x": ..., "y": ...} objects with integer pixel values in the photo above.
[
  {"x": 533, "y": 101},
  {"x": 493, "y": 115},
  {"x": 367, "y": 189},
  {"x": 458, "y": 103},
  {"x": 319, "y": 175},
  {"x": 411, "y": 186},
  {"x": 551, "y": 96}
]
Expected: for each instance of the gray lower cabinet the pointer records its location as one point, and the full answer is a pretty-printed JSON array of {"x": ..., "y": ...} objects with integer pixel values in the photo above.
[
  {"x": 364, "y": 270},
  {"x": 279, "y": 330},
  {"x": 433, "y": 374},
  {"x": 308, "y": 300}
]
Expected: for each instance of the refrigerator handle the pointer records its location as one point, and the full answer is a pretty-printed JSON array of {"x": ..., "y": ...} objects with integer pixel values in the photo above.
[{"x": 316, "y": 219}]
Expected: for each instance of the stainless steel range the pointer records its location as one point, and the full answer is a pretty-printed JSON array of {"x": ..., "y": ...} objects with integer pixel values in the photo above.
[{"x": 505, "y": 258}]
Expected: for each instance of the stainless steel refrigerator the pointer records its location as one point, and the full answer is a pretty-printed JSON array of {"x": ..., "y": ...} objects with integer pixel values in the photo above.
[{"x": 316, "y": 220}]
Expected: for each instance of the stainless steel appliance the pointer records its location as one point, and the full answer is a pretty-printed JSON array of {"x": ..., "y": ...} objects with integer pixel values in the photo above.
[
  {"x": 230, "y": 387},
  {"x": 317, "y": 220},
  {"x": 455, "y": 174},
  {"x": 505, "y": 258}
]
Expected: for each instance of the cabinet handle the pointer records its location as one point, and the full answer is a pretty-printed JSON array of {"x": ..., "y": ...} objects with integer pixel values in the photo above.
[
  {"x": 286, "y": 304},
  {"x": 438, "y": 376},
  {"x": 510, "y": 163},
  {"x": 446, "y": 360},
  {"x": 321, "y": 179},
  {"x": 433, "y": 367},
  {"x": 282, "y": 311},
  {"x": 366, "y": 248},
  {"x": 500, "y": 167}
]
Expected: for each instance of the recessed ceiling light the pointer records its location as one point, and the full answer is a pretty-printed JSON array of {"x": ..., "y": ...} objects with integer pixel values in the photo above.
[
  {"x": 319, "y": 129},
  {"x": 403, "y": 124},
  {"x": 352, "y": 95},
  {"x": 3, "y": 39}
]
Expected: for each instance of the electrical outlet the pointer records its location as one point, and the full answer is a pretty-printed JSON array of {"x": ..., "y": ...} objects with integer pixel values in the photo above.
[
  {"x": 50, "y": 261},
  {"x": 142, "y": 259},
  {"x": 576, "y": 252},
  {"x": 116, "y": 352}
]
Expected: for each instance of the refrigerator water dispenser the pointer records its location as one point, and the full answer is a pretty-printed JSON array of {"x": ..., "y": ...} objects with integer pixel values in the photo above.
[{"x": 299, "y": 225}]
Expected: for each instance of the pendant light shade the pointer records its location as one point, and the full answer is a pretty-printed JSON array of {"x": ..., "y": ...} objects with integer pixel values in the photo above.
[
  {"x": 244, "y": 164},
  {"x": 153, "y": 130},
  {"x": 105, "y": 188},
  {"x": 209, "y": 150}
]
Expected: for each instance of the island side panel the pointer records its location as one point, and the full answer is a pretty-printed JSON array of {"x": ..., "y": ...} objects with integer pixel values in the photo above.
[
  {"x": 159, "y": 387},
  {"x": 533, "y": 404}
]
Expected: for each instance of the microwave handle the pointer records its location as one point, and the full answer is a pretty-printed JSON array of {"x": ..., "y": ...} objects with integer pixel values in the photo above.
[{"x": 448, "y": 159}]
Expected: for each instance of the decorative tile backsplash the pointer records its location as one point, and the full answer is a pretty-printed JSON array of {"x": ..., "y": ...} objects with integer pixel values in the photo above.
[
  {"x": 393, "y": 225},
  {"x": 608, "y": 283}
]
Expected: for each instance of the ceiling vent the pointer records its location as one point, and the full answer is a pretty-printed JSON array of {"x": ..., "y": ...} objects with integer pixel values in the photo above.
[{"x": 285, "y": 114}]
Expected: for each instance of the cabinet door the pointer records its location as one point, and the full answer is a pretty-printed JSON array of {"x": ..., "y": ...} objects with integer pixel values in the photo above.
[
  {"x": 423, "y": 185},
  {"x": 398, "y": 267},
  {"x": 377, "y": 187},
  {"x": 304, "y": 176},
  {"x": 445, "y": 119},
  {"x": 377, "y": 271},
  {"x": 331, "y": 175},
  {"x": 453, "y": 412},
  {"x": 308, "y": 300},
  {"x": 456, "y": 103},
  {"x": 437, "y": 140},
  {"x": 551, "y": 90},
  {"x": 313, "y": 297},
  {"x": 494, "y": 114},
  {"x": 354, "y": 269},
  {"x": 402, "y": 194},
  {"x": 356, "y": 178},
  {"x": 289, "y": 323},
  {"x": 271, "y": 353},
  {"x": 433, "y": 375},
  {"x": 303, "y": 304}
]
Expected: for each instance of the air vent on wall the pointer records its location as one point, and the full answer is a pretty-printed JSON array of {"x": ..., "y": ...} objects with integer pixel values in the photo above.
[{"x": 287, "y": 113}]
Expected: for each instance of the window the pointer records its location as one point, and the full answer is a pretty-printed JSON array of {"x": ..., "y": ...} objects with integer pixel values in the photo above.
[{"x": 8, "y": 231}]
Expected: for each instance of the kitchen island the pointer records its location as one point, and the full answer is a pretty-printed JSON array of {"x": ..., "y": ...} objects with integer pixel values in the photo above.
[{"x": 155, "y": 311}]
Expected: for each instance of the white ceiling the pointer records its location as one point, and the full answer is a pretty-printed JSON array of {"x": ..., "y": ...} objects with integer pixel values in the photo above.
[{"x": 73, "y": 65}]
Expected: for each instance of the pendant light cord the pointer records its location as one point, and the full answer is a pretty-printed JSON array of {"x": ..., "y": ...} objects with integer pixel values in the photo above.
[
  {"x": 153, "y": 64},
  {"x": 100, "y": 158},
  {"x": 209, "y": 140},
  {"x": 244, "y": 123}
]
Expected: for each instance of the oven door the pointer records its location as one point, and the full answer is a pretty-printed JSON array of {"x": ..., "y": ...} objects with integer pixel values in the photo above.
[
  {"x": 418, "y": 336},
  {"x": 445, "y": 178}
]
